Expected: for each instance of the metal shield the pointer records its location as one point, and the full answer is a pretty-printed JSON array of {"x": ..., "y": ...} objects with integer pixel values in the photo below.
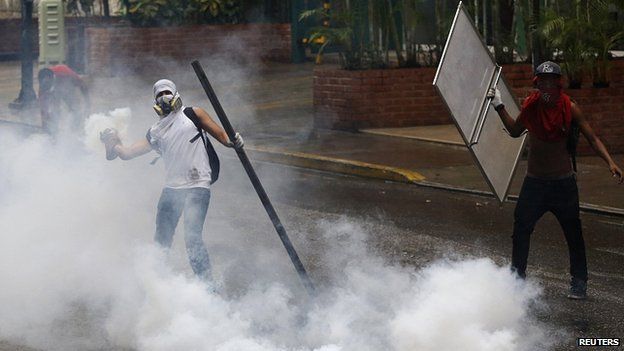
[{"x": 466, "y": 72}]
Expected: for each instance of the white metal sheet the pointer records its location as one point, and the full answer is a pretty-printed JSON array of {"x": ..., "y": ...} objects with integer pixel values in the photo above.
[{"x": 465, "y": 73}]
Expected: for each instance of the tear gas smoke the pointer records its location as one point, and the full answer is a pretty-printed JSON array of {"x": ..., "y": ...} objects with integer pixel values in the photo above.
[
  {"x": 117, "y": 119},
  {"x": 79, "y": 271}
]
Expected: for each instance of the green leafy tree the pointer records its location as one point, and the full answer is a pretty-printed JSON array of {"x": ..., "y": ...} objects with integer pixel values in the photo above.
[
  {"x": 176, "y": 12},
  {"x": 583, "y": 33},
  {"x": 79, "y": 7},
  {"x": 342, "y": 28},
  {"x": 365, "y": 33}
]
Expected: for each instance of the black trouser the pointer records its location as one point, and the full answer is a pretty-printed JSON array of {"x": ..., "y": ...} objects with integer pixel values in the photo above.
[{"x": 559, "y": 197}]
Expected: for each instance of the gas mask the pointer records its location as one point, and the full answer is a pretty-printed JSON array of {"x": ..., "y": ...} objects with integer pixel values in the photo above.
[{"x": 168, "y": 102}]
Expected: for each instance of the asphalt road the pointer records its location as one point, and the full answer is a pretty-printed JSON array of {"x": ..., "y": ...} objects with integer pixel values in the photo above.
[{"x": 411, "y": 226}]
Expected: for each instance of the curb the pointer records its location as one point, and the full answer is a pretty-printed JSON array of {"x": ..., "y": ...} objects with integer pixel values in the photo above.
[
  {"x": 419, "y": 138},
  {"x": 336, "y": 165},
  {"x": 376, "y": 171}
]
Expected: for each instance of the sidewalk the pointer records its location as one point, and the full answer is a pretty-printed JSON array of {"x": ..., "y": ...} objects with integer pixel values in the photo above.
[
  {"x": 433, "y": 164},
  {"x": 275, "y": 115}
]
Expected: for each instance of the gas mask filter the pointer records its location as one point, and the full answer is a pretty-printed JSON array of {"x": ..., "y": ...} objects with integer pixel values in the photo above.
[{"x": 168, "y": 102}]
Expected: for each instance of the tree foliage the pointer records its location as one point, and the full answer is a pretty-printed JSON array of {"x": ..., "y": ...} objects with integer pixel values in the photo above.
[
  {"x": 79, "y": 7},
  {"x": 177, "y": 12},
  {"x": 382, "y": 33},
  {"x": 582, "y": 33},
  {"x": 368, "y": 34}
]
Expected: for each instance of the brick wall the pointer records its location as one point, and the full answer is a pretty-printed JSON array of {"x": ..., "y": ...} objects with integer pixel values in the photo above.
[
  {"x": 75, "y": 27},
  {"x": 352, "y": 100},
  {"x": 604, "y": 109},
  {"x": 119, "y": 50},
  {"x": 617, "y": 73},
  {"x": 12, "y": 29}
]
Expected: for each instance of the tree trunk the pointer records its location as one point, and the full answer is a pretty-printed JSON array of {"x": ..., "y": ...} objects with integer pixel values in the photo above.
[
  {"x": 503, "y": 37},
  {"x": 398, "y": 48},
  {"x": 536, "y": 54}
]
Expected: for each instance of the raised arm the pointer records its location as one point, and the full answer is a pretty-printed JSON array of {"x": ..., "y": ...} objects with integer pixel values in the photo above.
[
  {"x": 513, "y": 126},
  {"x": 210, "y": 126},
  {"x": 595, "y": 142}
]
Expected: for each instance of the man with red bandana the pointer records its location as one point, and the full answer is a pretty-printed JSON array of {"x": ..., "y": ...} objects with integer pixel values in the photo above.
[{"x": 550, "y": 183}]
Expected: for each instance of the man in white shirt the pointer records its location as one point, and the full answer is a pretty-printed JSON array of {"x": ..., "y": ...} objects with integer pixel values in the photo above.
[{"x": 187, "y": 165}]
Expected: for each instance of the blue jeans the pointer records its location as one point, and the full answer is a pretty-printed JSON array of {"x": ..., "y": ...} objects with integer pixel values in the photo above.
[
  {"x": 194, "y": 203},
  {"x": 560, "y": 197}
]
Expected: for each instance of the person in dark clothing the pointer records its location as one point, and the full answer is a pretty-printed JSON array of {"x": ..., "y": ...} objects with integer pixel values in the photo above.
[
  {"x": 62, "y": 94},
  {"x": 550, "y": 183}
]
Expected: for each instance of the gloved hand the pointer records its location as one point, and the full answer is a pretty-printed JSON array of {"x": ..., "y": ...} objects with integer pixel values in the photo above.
[
  {"x": 110, "y": 139},
  {"x": 495, "y": 95},
  {"x": 238, "y": 142}
]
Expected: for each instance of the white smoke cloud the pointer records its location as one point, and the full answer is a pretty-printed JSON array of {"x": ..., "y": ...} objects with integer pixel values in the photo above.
[
  {"x": 118, "y": 119},
  {"x": 79, "y": 270}
]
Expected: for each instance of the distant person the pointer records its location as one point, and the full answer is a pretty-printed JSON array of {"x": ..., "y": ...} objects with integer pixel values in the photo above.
[
  {"x": 63, "y": 96},
  {"x": 191, "y": 166},
  {"x": 551, "y": 118}
]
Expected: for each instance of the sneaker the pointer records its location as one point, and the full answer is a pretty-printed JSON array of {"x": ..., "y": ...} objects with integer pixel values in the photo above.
[{"x": 578, "y": 289}]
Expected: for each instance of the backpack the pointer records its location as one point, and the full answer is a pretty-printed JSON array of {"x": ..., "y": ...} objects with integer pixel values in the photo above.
[{"x": 213, "y": 159}]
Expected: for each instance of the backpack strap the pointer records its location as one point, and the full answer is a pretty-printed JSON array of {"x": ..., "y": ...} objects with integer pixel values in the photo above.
[{"x": 213, "y": 159}]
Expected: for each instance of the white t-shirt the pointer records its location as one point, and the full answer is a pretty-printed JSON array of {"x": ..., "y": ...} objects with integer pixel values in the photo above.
[{"x": 186, "y": 163}]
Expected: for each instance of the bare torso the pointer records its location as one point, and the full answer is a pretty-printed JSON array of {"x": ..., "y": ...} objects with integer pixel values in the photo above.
[{"x": 549, "y": 160}]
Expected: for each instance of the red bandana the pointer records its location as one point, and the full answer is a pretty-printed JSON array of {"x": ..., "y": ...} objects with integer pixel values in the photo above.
[{"x": 548, "y": 123}]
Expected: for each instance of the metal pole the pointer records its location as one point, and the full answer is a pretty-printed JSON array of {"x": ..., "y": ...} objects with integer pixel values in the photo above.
[
  {"x": 281, "y": 232},
  {"x": 27, "y": 94}
]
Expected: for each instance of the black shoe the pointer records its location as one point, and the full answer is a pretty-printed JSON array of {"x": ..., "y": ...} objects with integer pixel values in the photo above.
[
  {"x": 520, "y": 275},
  {"x": 578, "y": 289}
]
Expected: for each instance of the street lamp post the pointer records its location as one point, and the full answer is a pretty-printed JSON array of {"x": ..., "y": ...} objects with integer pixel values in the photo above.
[{"x": 27, "y": 94}]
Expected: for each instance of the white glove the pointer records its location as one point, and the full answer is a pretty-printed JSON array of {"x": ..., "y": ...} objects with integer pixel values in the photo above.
[
  {"x": 495, "y": 95},
  {"x": 238, "y": 142}
]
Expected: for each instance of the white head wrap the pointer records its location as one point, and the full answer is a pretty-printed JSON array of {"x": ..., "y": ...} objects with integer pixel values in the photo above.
[{"x": 164, "y": 85}]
